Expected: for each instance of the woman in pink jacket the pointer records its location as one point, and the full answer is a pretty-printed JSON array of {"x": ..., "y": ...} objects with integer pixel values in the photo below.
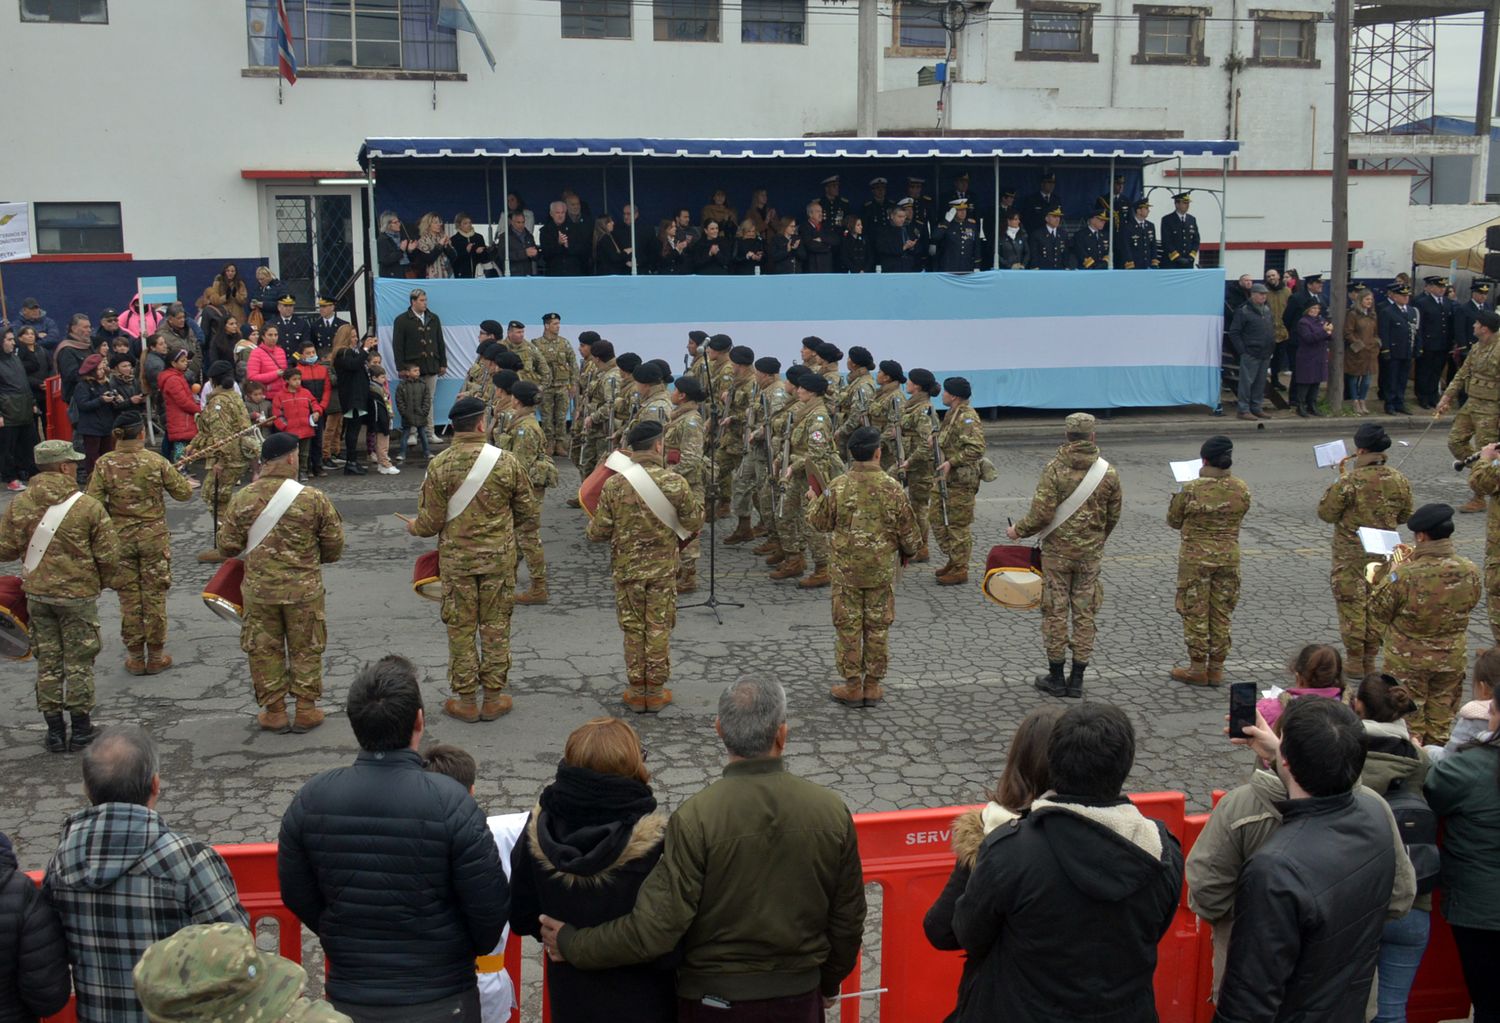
[{"x": 268, "y": 362}]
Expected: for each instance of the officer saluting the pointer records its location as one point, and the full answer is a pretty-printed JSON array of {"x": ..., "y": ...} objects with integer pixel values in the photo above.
[
  {"x": 1179, "y": 235},
  {"x": 957, "y": 240}
]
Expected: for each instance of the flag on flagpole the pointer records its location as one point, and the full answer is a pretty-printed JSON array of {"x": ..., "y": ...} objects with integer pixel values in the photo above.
[
  {"x": 455, "y": 14},
  {"x": 286, "y": 59}
]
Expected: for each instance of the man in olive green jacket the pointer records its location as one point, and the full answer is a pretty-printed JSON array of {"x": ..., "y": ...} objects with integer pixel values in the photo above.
[{"x": 760, "y": 882}]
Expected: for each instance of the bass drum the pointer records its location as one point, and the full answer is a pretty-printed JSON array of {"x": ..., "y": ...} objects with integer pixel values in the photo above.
[
  {"x": 424, "y": 577},
  {"x": 1013, "y": 576},
  {"x": 222, "y": 594},
  {"x": 591, "y": 488},
  {"x": 15, "y": 619}
]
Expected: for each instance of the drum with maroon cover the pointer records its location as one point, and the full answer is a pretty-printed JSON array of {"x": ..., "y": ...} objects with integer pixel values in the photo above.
[
  {"x": 424, "y": 577},
  {"x": 590, "y": 489},
  {"x": 223, "y": 594},
  {"x": 15, "y": 619},
  {"x": 1013, "y": 576}
]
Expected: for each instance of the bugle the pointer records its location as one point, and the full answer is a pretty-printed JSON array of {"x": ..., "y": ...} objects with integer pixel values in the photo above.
[
  {"x": 1376, "y": 571},
  {"x": 1460, "y": 464}
]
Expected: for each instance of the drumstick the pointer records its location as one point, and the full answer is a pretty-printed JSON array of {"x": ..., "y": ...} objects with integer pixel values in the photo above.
[{"x": 409, "y": 520}]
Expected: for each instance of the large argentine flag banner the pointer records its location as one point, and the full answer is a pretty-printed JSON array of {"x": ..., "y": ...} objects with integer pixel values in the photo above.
[{"x": 1028, "y": 339}]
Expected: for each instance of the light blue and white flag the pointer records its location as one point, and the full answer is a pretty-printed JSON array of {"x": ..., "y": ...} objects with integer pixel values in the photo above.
[{"x": 455, "y": 14}]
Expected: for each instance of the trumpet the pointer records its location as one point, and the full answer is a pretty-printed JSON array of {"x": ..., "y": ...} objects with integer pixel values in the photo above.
[
  {"x": 1376, "y": 571},
  {"x": 1460, "y": 464}
]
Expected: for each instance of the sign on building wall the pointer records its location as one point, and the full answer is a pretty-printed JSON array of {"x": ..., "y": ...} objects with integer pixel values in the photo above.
[{"x": 15, "y": 232}]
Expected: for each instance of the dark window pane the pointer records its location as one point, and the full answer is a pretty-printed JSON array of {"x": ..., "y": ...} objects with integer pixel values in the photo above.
[
  {"x": 83, "y": 12},
  {"x": 773, "y": 21},
  {"x": 1055, "y": 31},
  {"x": 377, "y": 23},
  {"x": 378, "y": 54},
  {"x": 920, "y": 26},
  {"x": 686, "y": 20},
  {"x": 1168, "y": 36},
  {"x": 596, "y": 19},
  {"x": 329, "y": 53},
  {"x": 78, "y": 227}
]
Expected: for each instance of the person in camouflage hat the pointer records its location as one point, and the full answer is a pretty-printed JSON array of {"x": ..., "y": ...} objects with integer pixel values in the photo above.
[
  {"x": 1421, "y": 610},
  {"x": 1072, "y": 552},
  {"x": 62, "y": 589},
  {"x": 284, "y": 631},
  {"x": 643, "y": 562},
  {"x": 751, "y": 489},
  {"x": 1477, "y": 424},
  {"x": 213, "y": 973},
  {"x": 918, "y": 424},
  {"x": 813, "y": 456},
  {"x": 132, "y": 484},
  {"x": 526, "y": 439},
  {"x": 1485, "y": 479},
  {"x": 960, "y": 441},
  {"x": 684, "y": 442},
  {"x": 562, "y": 378},
  {"x": 872, "y": 524},
  {"x": 1370, "y": 493},
  {"x": 224, "y": 418},
  {"x": 1208, "y": 512}
]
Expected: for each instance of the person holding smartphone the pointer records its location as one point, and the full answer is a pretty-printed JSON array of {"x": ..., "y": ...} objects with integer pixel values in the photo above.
[{"x": 351, "y": 367}]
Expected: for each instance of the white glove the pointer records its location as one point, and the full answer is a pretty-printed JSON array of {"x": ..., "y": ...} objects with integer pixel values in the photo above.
[{"x": 949, "y": 216}]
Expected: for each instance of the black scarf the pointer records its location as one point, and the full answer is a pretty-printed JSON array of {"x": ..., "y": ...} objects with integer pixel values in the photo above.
[{"x": 583, "y": 797}]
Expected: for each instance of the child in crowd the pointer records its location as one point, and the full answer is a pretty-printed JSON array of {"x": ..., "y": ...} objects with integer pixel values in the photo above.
[
  {"x": 415, "y": 406},
  {"x": 1473, "y": 719},
  {"x": 242, "y": 349},
  {"x": 380, "y": 420},
  {"x": 316, "y": 382},
  {"x": 1317, "y": 670},
  {"x": 256, "y": 403},
  {"x": 295, "y": 411}
]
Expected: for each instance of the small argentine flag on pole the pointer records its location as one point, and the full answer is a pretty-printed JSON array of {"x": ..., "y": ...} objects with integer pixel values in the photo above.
[{"x": 156, "y": 291}]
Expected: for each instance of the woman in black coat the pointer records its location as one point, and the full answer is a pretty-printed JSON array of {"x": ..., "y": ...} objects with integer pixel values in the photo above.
[
  {"x": 785, "y": 250},
  {"x": 709, "y": 253},
  {"x": 587, "y": 848},
  {"x": 609, "y": 258},
  {"x": 854, "y": 248},
  {"x": 354, "y": 398},
  {"x": 749, "y": 250},
  {"x": 34, "y": 978}
]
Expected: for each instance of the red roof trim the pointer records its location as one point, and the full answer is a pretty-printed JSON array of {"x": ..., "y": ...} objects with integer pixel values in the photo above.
[{"x": 353, "y": 177}]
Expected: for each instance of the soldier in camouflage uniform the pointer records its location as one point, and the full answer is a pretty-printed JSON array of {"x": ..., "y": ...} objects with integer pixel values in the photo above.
[
  {"x": 1421, "y": 609},
  {"x": 918, "y": 424},
  {"x": 1369, "y": 494},
  {"x": 1208, "y": 512},
  {"x": 588, "y": 368},
  {"x": 562, "y": 380},
  {"x": 526, "y": 439},
  {"x": 213, "y": 973},
  {"x": 534, "y": 368},
  {"x": 132, "y": 484},
  {"x": 62, "y": 590},
  {"x": 606, "y": 384},
  {"x": 1478, "y": 422},
  {"x": 736, "y": 388},
  {"x": 479, "y": 381},
  {"x": 643, "y": 561},
  {"x": 783, "y": 527},
  {"x": 812, "y": 455},
  {"x": 222, "y": 419},
  {"x": 684, "y": 442},
  {"x": 1485, "y": 479},
  {"x": 697, "y": 350},
  {"x": 960, "y": 442},
  {"x": 830, "y": 356},
  {"x": 284, "y": 631},
  {"x": 858, "y": 395},
  {"x": 885, "y": 411},
  {"x": 871, "y": 522},
  {"x": 752, "y": 480},
  {"x": 649, "y": 401},
  {"x": 1071, "y": 552},
  {"x": 476, "y": 562}
]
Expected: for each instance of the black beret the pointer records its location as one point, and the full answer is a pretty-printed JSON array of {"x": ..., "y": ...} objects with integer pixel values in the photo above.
[
  {"x": 924, "y": 379},
  {"x": 491, "y": 350},
  {"x": 796, "y": 371},
  {"x": 627, "y": 361},
  {"x": 958, "y": 387},
  {"x": 861, "y": 356},
  {"x": 829, "y": 352},
  {"x": 219, "y": 367},
  {"x": 768, "y": 364},
  {"x": 129, "y": 419},
  {"x": 698, "y": 336},
  {"x": 492, "y": 327},
  {"x": 549, "y": 317},
  {"x": 721, "y": 342},
  {"x": 504, "y": 358},
  {"x": 506, "y": 380},
  {"x": 690, "y": 386},
  {"x": 278, "y": 445},
  {"x": 892, "y": 369},
  {"x": 641, "y": 432},
  {"x": 514, "y": 324},
  {"x": 866, "y": 438},
  {"x": 647, "y": 373},
  {"x": 602, "y": 350},
  {"x": 466, "y": 407},
  {"x": 1216, "y": 447},
  {"x": 1372, "y": 437},
  {"x": 664, "y": 368},
  {"x": 814, "y": 383},
  {"x": 1430, "y": 516},
  {"x": 1488, "y": 318},
  {"x": 812, "y": 342},
  {"x": 588, "y": 337},
  {"x": 526, "y": 392},
  {"x": 742, "y": 356}
]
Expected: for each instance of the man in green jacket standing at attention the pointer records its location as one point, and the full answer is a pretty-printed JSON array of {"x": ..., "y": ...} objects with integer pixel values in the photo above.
[{"x": 738, "y": 854}]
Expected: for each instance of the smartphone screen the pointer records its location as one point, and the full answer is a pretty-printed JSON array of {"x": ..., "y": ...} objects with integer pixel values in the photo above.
[{"x": 1241, "y": 708}]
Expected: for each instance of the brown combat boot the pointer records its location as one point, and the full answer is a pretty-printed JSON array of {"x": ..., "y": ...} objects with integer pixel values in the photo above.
[
  {"x": 954, "y": 576},
  {"x": 922, "y": 555},
  {"x": 687, "y": 582},
  {"x": 771, "y": 546},
  {"x": 497, "y": 704},
  {"x": 874, "y": 692},
  {"x": 817, "y": 580},
  {"x": 722, "y": 510},
  {"x": 308, "y": 716},
  {"x": 1215, "y": 673},
  {"x": 157, "y": 661},
  {"x": 948, "y": 566},
  {"x": 464, "y": 707},
  {"x": 536, "y": 593},
  {"x": 790, "y": 568},
  {"x": 742, "y": 532},
  {"x": 1475, "y": 504},
  {"x": 572, "y": 502},
  {"x": 635, "y": 698},
  {"x": 1195, "y": 674},
  {"x": 658, "y": 697},
  {"x": 273, "y": 718},
  {"x": 135, "y": 660},
  {"x": 210, "y": 558},
  {"x": 850, "y": 693},
  {"x": 759, "y": 531}
]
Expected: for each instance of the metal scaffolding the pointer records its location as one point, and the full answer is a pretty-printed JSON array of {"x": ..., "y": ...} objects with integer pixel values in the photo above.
[{"x": 1391, "y": 91}]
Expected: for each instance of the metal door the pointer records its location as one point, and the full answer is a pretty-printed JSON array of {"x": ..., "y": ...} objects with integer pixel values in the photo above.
[{"x": 313, "y": 246}]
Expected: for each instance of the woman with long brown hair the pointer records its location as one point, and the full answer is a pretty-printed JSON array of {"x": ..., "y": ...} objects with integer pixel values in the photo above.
[{"x": 228, "y": 290}]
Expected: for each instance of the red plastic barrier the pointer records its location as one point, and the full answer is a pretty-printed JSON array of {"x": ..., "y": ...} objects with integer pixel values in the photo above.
[
  {"x": 58, "y": 427},
  {"x": 908, "y": 854}
]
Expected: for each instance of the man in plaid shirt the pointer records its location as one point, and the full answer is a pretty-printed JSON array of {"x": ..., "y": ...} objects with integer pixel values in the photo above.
[{"x": 121, "y": 880}]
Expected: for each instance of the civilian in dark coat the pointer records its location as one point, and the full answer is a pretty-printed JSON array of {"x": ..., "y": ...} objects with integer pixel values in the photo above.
[
  {"x": 785, "y": 252},
  {"x": 819, "y": 242},
  {"x": 34, "y": 978},
  {"x": 521, "y": 245},
  {"x": 1311, "y": 367},
  {"x": 417, "y": 338},
  {"x": 565, "y": 244},
  {"x": 749, "y": 251},
  {"x": 854, "y": 249},
  {"x": 469, "y": 248},
  {"x": 349, "y": 367},
  {"x": 609, "y": 258},
  {"x": 637, "y": 240},
  {"x": 897, "y": 243},
  {"x": 709, "y": 252}
]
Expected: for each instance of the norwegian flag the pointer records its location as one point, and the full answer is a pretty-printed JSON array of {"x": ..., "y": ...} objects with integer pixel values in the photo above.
[{"x": 286, "y": 60}]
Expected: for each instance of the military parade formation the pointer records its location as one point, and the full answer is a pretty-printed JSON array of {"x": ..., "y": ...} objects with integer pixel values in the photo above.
[{"x": 840, "y": 465}]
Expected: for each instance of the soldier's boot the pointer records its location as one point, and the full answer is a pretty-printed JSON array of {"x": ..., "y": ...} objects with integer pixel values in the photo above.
[
  {"x": 635, "y": 698},
  {"x": 957, "y": 575},
  {"x": 272, "y": 717},
  {"x": 687, "y": 580},
  {"x": 1474, "y": 504},
  {"x": 874, "y": 692},
  {"x": 790, "y": 567},
  {"x": 1075, "y": 681},
  {"x": 759, "y": 531},
  {"x": 497, "y": 704},
  {"x": 57, "y": 733},
  {"x": 742, "y": 532},
  {"x": 922, "y": 555},
  {"x": 82, "y": 733},
  {"x": 658, "y": 697},
  {"x": 1369, "y": 662},
  {"x": 307, "y": 717},
  {"x": 948, "y": 566},
  {"x": 850, "y": 693},
  {"x": 1215, "y": 672},
  {"x": 464, "y": 707},
  {"x": 771, "y": 546},
  {"x": 1053, "y": 683},
  {"x": 722, "y": 511},
  {"x": 135, "y": 659},
  {"x": 157, "y": 661},
  {"x": 210, "y": 558},
  {"x": 536, "y": 593},
  {"x": 573, "y": 502},
  {"x": 818, "y": 579},
  {"x": 1195, "y": 674}
]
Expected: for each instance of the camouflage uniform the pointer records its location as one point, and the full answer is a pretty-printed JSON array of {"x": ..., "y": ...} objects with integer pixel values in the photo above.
[
  {"x": 131, "y": 483},
  {"x": 867, "y": 513},
  {"x": 562, "y": 377},
  {"x": 961, "y": 442},
  {"x": 224, "y": 416},
  {"x": 683, "y": 437},
  {"x": 752, "y": 480},
  {"x": 1208, "y": 511},
  {"x": 62, "y": 594},
  {"x": 478, "y": 382},
  {"x": 812, "y": 448},
  {"x": 583, "y": 405},
  {"x": 729, "y": 433},
  {"x": 786, "y": 521},
  {"x": 1478, "y": 422},
  {"x": 655, "y": 406},
  {"x": 1072, "y": 553},
  {"x": 1421, "y": 609},
  {"x": 854, "y": 406},
  {"x": 884, "y": 412},
  {"x": 1485, "y": 479},
  {"x": 605, "y": 388},
  {"x": 477, "y": 559},
  {"x": 1375, "y": 495},
  {"x": 835, "y": 392},
  {"x": 643, "y": 561},
  {"x": 527, "y": 441},
  {"x": 534, "y": 368},
  {"x": 917, "y": 427},
  {"x": 285, "y": 631}
]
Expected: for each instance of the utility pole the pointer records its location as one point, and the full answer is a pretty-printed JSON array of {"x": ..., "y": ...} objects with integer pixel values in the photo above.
[
  {"x": 1338, "y": 297},
  {"x": 868, "y": 69}
]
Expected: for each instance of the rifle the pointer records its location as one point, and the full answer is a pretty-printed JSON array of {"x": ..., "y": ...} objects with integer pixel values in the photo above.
[
  {"x": 765, "y": 427},
  {"x": 786, "y": 459},
  {"x": 862, "y": 406},
  {"x": 897, "y": 407},
  {"x": 613, "y": 384},
  {"x": 937, "y": 460}
]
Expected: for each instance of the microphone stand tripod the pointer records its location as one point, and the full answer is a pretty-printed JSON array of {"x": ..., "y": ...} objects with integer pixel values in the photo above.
[{"x": 711, "y": 501}]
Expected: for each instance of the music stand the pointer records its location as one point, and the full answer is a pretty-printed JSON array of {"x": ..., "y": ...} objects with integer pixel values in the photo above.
[{"x": 711, "y": 504}]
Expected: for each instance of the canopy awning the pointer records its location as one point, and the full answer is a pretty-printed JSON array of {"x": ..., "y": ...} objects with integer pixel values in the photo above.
[
  {"x": 1466, "y": 246},
  {"x": 804, "y": 148}
]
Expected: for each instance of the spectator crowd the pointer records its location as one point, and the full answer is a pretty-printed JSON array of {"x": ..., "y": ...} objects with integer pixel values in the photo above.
[{"x": 747, "y": 903}]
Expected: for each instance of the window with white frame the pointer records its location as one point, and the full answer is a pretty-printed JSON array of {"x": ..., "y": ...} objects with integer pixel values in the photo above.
[
  {"x": 1171, "y": 35},
  {"x": 1052, "y": 30},
  {"x": 1285, "y": 38},
  {"x": 355, "y": 34}
]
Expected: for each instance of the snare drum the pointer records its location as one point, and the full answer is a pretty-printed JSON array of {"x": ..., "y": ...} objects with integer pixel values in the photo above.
[
  {"x": 424, "y": 577},
  {"x": 15, "y": 619},
  {"x": 1013, "y": 576},
  {"x": 591, "y": 488},
  {"x": 222, "y": 594}
]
